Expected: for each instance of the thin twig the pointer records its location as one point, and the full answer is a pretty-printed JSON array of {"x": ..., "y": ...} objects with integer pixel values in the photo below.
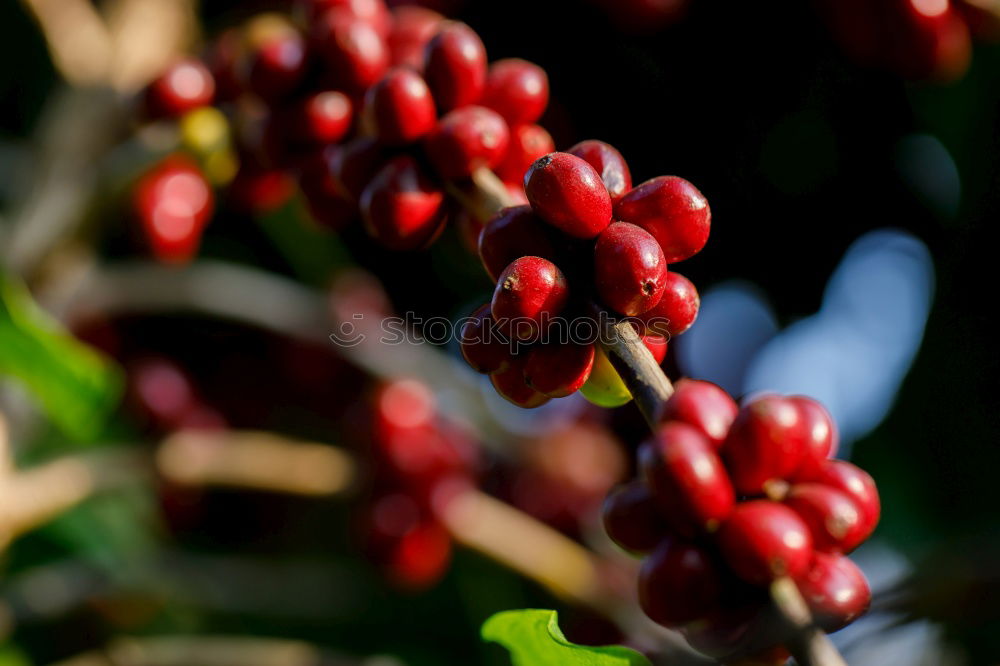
[{"x": 807, "y": 643}]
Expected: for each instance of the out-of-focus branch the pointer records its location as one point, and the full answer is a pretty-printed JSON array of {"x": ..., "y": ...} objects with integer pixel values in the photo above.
[
  {"x": 6, "y": 453},
  {"x": 146, "y": 36},
  {"x": 77, "y": 37}
]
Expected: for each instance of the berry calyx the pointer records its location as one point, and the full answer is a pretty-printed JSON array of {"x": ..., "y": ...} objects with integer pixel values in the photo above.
[
  {"x": 400, "y": 107},
  {"x": 558, "y": 370},
  {"x": 763, "y": 540},
  {"x": 673, "y": 211},
  {"x": 569, "y": 194},
  {"x": 629, "y": 269},
  {"x": 609, "y": 163},
  {"x": 467, "y": 139},
  {"x": 516, "y": 89},
  {"x": 401, "y": 207},
  {"x": 676, "y": 310}
]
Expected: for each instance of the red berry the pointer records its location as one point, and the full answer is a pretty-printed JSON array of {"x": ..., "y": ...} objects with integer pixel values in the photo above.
[
  {"x": 734, "y": 629},
  {"x": 677, "y": 309},
  {"x": 184, "y": 86},
  {"x": 835, "y": 590},
  {"x": 467, "y": 139},
  {"x": 455, "y": 66},
  {"x": 671, "y": 209},
  {"x": 763, "y": 540},
  {"x": 609, "y": 163},
  {"x": 162, "y": 391},
  {"x": 326, "y": 204},
  {"x": 222, "y": 60},
  {"x": 821, "y": 439},
  {"x": 321, "y": 118},
  {"x": 833, "y": 519},
  {"x": 856, "y": 484},
  {"x": 703, "y": 405},
  {"x": 512, "y": 233},
  {"x": 173, "y": 201},
  {"x": 401, "y": 207},
  {"x": 629, "y": 270},
  {"x": 421, "y": 557},
  {"x": 530, "y": 293},
  {"x": 259, "y": 190},
  {"x": 516, "y": 89},
  {"x": 569, "y": 194},
  {"x": 558, "y": 370},
  {"x": 687, "y": 479},
  {"x": 277, "y": 66},
  {"x": 527, "y": 144},
  {"x": 372, "y": 11},
  {"x": 657, "y": 346},
  {"x": 678, "y": 583},
  {"x": 412, "y": 28},
  {"x": 352, "y": 48},
  {"x": 766, "y": 443},
  {"x": 510, "y": 384},
  {"x": 632, "y": 519},
  {"x": 356, "y": 164},
  {"x": 483, "y": 347},
  {"x": 400, "y": 107}
]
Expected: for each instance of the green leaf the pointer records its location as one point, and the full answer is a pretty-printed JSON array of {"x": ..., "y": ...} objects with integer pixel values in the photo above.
[
  {"x": 75, "y": 385},
  {"x": 11, "y": 656},
  {"x": 533, "y": 638}
]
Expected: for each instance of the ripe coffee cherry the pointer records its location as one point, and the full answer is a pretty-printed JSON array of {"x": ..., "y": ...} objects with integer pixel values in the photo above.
[
  {"x": 173, "y": 202},
  {"x": 604, "y": 387},
  {"x": 352, "y": 48},
  {"x": 412, "y": 28},
  {"x": 421, "y": 556},
  {"x": 400, "y": 107},
  {"x": 671, "y": 209},
  {"x": 676, "y": 310},
  {"x": 355, "y": 165},
  {"x": 530, "y": 293},
  {"x": 510, "y": 384},
  {"x": 766, "y": 443},
  {"x": 513, "y": 232},
  {"x": 678, "y": 583},
  {"x": 821, "y": 437},
  {"x": 569, "y": 194},
  {"x": 763, "y": 540},
  {"x": 465, "y": 140},
  {"x": 687, "y": 479},
  {"x": 703, "y": 405},
  {"x": 482, "y": 345},
  {"x": 372, "y": 11},
  {"x": 835, "y": 590},
  {"x": 516, "y": 89},
  {"x": 833, "y": 519},
  {"x": 527, "y": 144},
  {"x": 321, "y": 118},
  {"x": 632, "y": 519},
  {"x": 455, "y": 66},
  {"x": 222, "y": 60},
  {"x": 657, "y": 346},
  {"x": 609, "y": 163},
  {"x": 856, "y": 484},
  {"x": 277, "y": 66},
  {"x": 184, "y": 86},
  {"x": 327, "y": 205},
  {"x": 401, "y": 207},
  {"x": 558, "y": 370},
  {"x": 629, "y": 270},
  {"x": 259, "y": 190}
]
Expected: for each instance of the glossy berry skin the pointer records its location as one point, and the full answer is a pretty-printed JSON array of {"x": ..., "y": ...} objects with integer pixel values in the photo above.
[
  {"x": 352, "y": 49},
  {"x": 835, "y": 590},
  {"x": 412, "y": 28},
  {"x": 455, "y": 66},
  {"x": 530, "y": 292},
  {"x": 260, "y": 190},
  {"x": 516, "y": 89},
  {"x": 513, "y": 232},
  {"x": 371, "y": 11},
  {"x": 277, "y": 67},
  {"x": 763, "y": 540},
  {"x": 401, "y": 207},
  {"x": 569, "y": 194},
  {"x": 609, "y": 163},
  {"x": 467, "y": 139},
  {"x": 673, "y": 211},
  {"x": 856, "y": 484},
  {"x": 687, "y": 479},
  {"x": 558, "y": 370},
  {"x": 821, "y": 437},
  {"x": 421, "y": 556},
  {"x": 766, "y": 443},
  {"x": 184, "y": 86},
  {"x": 355, "y": 165},
  {"x": 629, "y": 270},
  {"x": 676, "y": 310},
  {"x": 678, "y": 583},
  {"x": 510, "y": 384},
  {"x": 632, "y": 519},
  {"x": 833, "y": 519},
  {"x": 400, "y": 107},
  {"x": 322, "y": 118},
  {"x": 483, "y": 347},
  {"x": 326, "y": 204},
  {"x": 657, "y": 346},
  {"x": 703, "y": 405},
  {"x": 173, "y": 202},
  {"x": 604, "y": 387},
  {"x": 527, "y": 144}
]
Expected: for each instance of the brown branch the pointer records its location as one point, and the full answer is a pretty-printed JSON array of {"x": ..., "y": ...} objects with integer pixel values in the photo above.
[{"x": 78, "y": 40}]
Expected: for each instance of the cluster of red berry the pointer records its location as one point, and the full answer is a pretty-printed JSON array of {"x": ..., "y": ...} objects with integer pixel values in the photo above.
[
  {"x": 585, "y": 226},
  {"x": 422, "y": 461},
  {"x": 368, "y": 110},
  {"x": 166, "y": 398},
  {"x": 731, "y": 499}
]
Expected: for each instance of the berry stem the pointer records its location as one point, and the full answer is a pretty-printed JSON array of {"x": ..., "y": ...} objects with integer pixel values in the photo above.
[{"x": 807, "y": 643}]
